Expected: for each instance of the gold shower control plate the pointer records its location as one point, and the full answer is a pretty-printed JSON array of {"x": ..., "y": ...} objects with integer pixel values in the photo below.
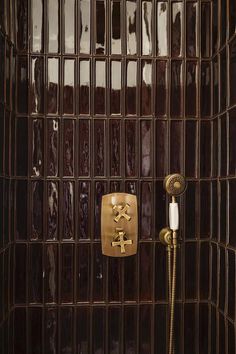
[{"x": 119, "y": 224}]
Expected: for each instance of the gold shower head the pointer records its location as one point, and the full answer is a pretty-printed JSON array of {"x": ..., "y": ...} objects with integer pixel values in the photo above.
[{"x": 175, "y": 184}]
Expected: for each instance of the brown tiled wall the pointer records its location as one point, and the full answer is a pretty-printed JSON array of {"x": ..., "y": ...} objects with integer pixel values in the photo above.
[
  {"x": 106, "y": 101},
  {"x": 7, "y": 118}
]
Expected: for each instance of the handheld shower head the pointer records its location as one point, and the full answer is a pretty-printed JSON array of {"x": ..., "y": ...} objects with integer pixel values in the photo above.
[{"x": 175, "y": 184}]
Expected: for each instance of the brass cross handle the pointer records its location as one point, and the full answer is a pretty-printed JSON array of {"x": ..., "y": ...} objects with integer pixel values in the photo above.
[
  {"x": 120, "y": 240},
  {"x": 121, "y": 212}
]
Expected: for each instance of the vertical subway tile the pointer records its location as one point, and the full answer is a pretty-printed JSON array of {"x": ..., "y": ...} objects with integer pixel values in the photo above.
[
  {"x": 115, "y": 147},
  {"x": 130, "y": 148},
  {"x": 115, "y": 329},
  {"x": 37, "y": 13},
  {"x": 68, "y": 147},
  {"x": 83, "y": 272},
  {"x": 190, "y": 328},
  {"x": 35, "y": 330},
  {"x": 69, "y": 86},
  {"x": 68, "y": 211},
  {"x": 66, "y": 329},
  {"x": 84, "y": 196},
  {"x": 146, "y": 210},
  {"x": 190, "y": 270},
  {"x": 22, "y": 25},
  {"x": 204, "y": 271},
  {"x": 232, "y": 147},
  {"x": 22, "y": 147},
  {"x": 176, "y": 146},
  {"x": 20, "y": 325},
  {"x": 191, "y": 89},
  {"x": 100, "y": 190},
  {"x": 205, "y": 148},
  {"x": 131, "y": 87},
  {"x": 51, "y": 330},
  {"x": 205, "y": 30},
  {"x": 205, "y": 99},
  {"x": 161, "y": 88},
  {"x": 130, "y": 279},
  {"x": 131, "y": 27},
  {"x": 37, "y": 147},
  {"x": 51, "y": 273},
  {"x": 21, "y": 211},
  {"x": 203, "y": 328},
  {"x": 99, "y": 148},
  {"x": 84, "y": 87},
  {"x": 205, "y": 209},
  {"x": 52, "y": 210},
  {"x": 84, "y": 147},
  {"x": 116, "y": 15},
  {"x": 69, "y": 26},
  {"x": 22, "y": 84},
  {"x": 177, "y": 29},
  {"x": 114, "y": 279},
  {"x": 146, "y": 88},
  {"x": 130, "y": 329},
  {"x": 85, "y": 22},
  {"x": 37, "y": 85},
  {"x": 67, "y": 272},
  {"x": 37, "y": 189},
  {"x": 162, "y": 28},
  {"x": 161, "y": 149},
  {"x": 116, "y": 85},
  {"x": 232, "y": 205},
  {"x": 100, "y": 29},
  {"x": 147, "y": 27},
  {"x": 160, "y": 317},
  {"x": 191, "y": 148},
  {"x": 176, "y": 108},
  {"x": 21, "y": 278},
  {"x": 160, "y": 273},
  {"x": 145, "y": 275},
  {"x": 52, "y": 147},
  {"x": 192, "y": 29},
  {"x": 100, "y": 87},
  {"x": 145, "y": 331},
  {"x": 53, "y": 86},
  {"x": 98, "y": 274},
  {"x": 35, "y": 273},
  {"x": 53, "y": 15},
  {"x": 98, "y": 329},
  {"x": 82, "y": 329}
]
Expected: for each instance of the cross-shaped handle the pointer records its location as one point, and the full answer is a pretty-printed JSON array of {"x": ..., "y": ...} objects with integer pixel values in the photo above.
[
  {"x": 121, "y": 212},
  {"x": 121, "y": 240}
]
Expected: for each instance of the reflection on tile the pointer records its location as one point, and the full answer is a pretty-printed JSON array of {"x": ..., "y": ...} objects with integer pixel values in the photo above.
[
  {"x": 115, "y": 27},
  {"x": 51, "y": 330},
  {"x": 131, "y": 30},
  {"x": 53, "y": 26},
  {"x": 22, "y": 86},
  {"x": 84, "y": 87},
  {"x": 131, "y": 87},
  {"x": 146, "y": 210},
  {"x": 146, "y": 27},
  {"x": 176, "y": 29},
  {"x": 52, "y": 147},
  {"x": 22, "y": 28},
  {"x": 162, "y": 29},
  {"x": 68, "y": 210},
  {"x": 100, "y": 87},
  {"x": 115, "y": 99},
  {"x": 99, "y": 147},
  {"x": 37, "y": 210},
  {"x": 205, "y": 29},
  {"x": 51, "y": 273},
  {"x": 130, "y": 150},
  {"x": 68, "y": 90},
  {"x": 192, "y": 29},
  {"x": 85, "y": 18},
  {"x": 100, "y": 27},
  {"x": 68, "y": 148},
  {"x": 205, "y": 89},
  {"x": 69, "y": 26},
  {"x": 146, "y": 143},
  {"x": 84, "y": 147},
  {"x": 38, "y": 147},
  {"x": 161, "y": 88},
  {"x": 52, "y": 212},
  {"x": 37, "y": 25},
  {"x": 146, "y": 88},
  {"x": 53, "y": 86},
  {"x": 84, "y": 207},
  {"x": 37, "y": 85},
  {"x": 176, "y": 89},
  {"x": 115, "y": 143}
]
